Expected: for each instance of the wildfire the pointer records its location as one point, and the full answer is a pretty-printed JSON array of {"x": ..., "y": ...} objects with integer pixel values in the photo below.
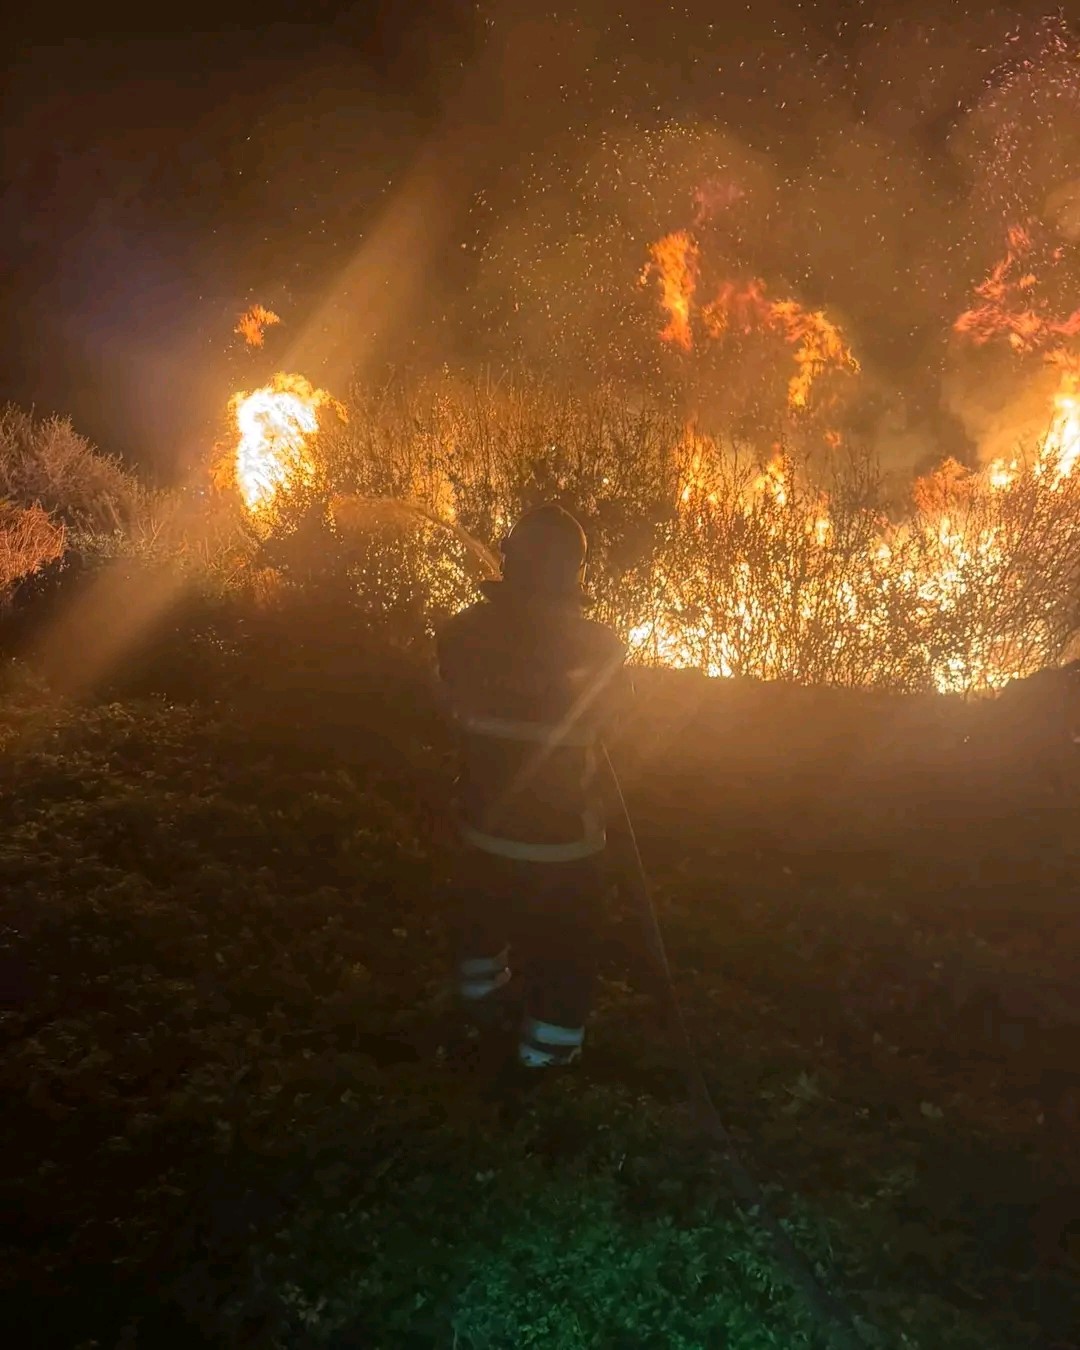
[
  {"x": 774, "y": 572},
  {"x": 818, "y": 344},
  {"x": 274, "y": 426},
  {"x": 792, "y": 592},
  {"x": 674, "y": 260},
  {"x": 766, "y": 575},
  {"x": 1010, "y": 305},
  {"x": 1012, "y": 308},
  {"x": 254, "y": 322},
  {"x": 767, "y": 579},
  {"x": 976, "y": 531},
  {"x": 1060, "y": 450}
]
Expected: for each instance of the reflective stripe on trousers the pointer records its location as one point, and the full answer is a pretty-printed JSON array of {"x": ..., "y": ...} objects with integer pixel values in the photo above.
[
  {"x": 545, "y": 1044},
  {"x": 480, "y": 976}
]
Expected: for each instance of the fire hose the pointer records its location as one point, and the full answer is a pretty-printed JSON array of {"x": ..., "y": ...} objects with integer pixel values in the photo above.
[{"x": 834, "y": 1317}]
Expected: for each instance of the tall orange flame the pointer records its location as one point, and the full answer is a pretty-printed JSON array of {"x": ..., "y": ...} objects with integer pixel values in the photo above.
[
  {"x": 674, "y": 260},
  {"x": 818, "y": 342},
  {"x": 744, "y": 307}
]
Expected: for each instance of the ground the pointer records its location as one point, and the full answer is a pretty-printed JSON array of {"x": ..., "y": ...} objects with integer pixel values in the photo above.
[{"x": 222, "y": 949}]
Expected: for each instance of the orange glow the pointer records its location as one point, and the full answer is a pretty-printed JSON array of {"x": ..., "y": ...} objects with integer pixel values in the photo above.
[
  {"x": 1010, "y": 307},
  {"x": 764, "y": 562},
  {"x": 253, "y": 323},
  {"x": 675, "y": 263},
  {"x": 817, "y": 342},
  {"x": 274, "y": 426}
]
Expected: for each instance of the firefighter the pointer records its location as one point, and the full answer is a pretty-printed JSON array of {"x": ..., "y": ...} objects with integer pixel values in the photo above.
[{"x": 531, "y": 685}]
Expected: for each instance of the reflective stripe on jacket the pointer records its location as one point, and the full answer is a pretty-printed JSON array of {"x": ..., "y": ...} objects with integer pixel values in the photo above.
[{"x": 529, "y": 685}]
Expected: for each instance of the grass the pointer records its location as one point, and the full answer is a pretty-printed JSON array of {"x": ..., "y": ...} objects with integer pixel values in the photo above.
[{"x": 222, "y": 939}]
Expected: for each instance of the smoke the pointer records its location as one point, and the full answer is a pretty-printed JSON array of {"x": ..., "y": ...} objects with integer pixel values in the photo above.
[
  {"x": 1003, "y": 405},
  {"x": 870, "y": 167},
  {"x": 484, "y": 188}
]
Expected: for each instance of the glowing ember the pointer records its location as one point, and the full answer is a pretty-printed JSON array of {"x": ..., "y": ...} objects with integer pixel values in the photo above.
[
  {"x": 253, "y": 323},
  {"x": 274, "y": 426}
]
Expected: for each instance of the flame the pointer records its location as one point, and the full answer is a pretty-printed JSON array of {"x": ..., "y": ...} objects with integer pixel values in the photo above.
[
  {"x": 745, "y": 307},
  {"x": 963, "y": 536},
  {"x": 1010, "y": 305},
  {"x": 674, "y": 260},
  {"x": 819, "y": 346},
  {"x": 776, "y": 565},
  {"x": 773, "y": 480},
  {"x": 697, "y": 471},
  {"x": 1012, "y": 309},
  {"x": 253, "y": 323},
  {"x": 967, "y": 541},
  {"x": 274, "y": 425},
  {"x": 739, "y": 308},
  {"x": 1060, "y": 450},
  {"x": 948, "y": 562},
  {"x": 823, "y": 529},
  {"x": 1002, "y": 475},
  {"x": 774, "y": 569}
]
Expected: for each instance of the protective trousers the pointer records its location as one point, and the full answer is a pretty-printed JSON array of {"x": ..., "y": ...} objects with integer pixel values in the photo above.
[{"x": 539, "y": 922}]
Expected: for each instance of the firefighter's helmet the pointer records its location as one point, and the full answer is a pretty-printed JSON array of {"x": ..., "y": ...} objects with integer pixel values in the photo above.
[{"x": 546, "y": 552}]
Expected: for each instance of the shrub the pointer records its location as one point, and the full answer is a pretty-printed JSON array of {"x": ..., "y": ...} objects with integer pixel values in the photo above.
[
  {"x": 45, "y": 462},
  {"x": 702, "y": 556},
  {"x": 29, "y": 539}
]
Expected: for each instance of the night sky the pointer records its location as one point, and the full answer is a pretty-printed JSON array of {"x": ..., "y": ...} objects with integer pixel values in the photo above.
[
  {"x": 159, "y": 179},
  {"x": 407, "y": 184}
]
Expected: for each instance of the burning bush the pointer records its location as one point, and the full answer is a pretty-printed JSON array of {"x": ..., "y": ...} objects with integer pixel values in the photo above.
[
  {"x": 765, "y": 573},
  {"x": 473, "y": 456},
  {"x": 702, "y": 557},
  {"x": 781, "y": 562},
  {"x": 782, "y": 576}
]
